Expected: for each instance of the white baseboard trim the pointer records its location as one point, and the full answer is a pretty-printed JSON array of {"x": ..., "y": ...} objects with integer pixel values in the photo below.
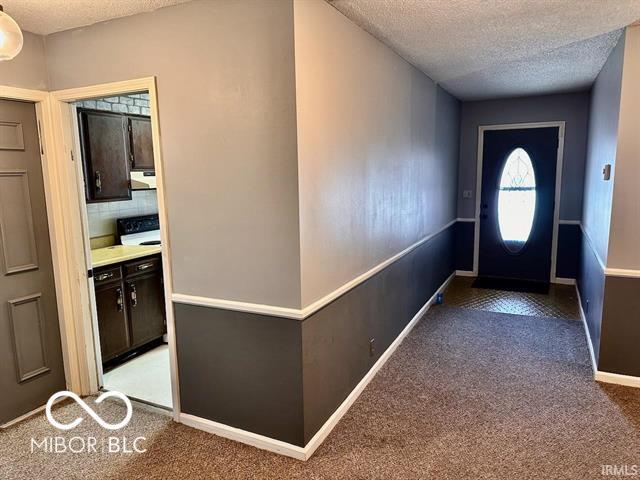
[
  {"x": 617, "y": 379},
  {"x": 304, "y": 453},
  {"x": 594, "y": 364},
  {"x": 564, "y": 281},
  {"x": 465, "y": 273},
  {"x": 244, "y": 436},
  {"x": 599, "y": 375}
]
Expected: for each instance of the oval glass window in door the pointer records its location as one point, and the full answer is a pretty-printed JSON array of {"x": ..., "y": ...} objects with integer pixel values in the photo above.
[{"x": 516, "y": 200}]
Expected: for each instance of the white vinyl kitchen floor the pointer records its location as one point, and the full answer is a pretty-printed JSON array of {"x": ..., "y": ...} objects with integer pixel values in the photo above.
[{"x": 146, "y": 377}]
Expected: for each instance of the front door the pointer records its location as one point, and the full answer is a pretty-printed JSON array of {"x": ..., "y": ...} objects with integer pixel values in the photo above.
[
  {"x": 31, "y": 366},
  {"x": 517, "y": 203}
]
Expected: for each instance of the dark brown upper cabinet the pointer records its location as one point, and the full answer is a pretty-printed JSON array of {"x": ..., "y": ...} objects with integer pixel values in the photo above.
[
  {"x": 141, "y": 143},
  {"x": 104, "y": 140}
]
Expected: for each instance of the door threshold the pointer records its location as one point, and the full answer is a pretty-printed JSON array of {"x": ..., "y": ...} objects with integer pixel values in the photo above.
[
  {"x": 511, "y": 285},
  {"x": 146, "y": 403}
]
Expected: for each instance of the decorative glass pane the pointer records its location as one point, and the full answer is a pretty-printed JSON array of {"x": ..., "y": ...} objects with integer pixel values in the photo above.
[{"x": 516, "y": 200}]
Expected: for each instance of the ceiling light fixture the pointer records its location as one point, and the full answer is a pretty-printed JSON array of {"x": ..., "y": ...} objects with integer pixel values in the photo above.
[{"x": 10, "y": 37}]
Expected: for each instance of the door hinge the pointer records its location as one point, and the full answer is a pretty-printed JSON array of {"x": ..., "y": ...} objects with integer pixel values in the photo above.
[
  {"x": 72, "y": 157},
  {"x": 90, "y": 273}
]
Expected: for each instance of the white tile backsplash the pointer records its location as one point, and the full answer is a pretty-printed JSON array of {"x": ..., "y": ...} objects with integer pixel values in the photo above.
[{"x": 102, "y": 216}]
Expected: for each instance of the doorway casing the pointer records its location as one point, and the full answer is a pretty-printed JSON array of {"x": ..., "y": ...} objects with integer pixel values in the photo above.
[
  {"x": 558, "y": 188},
  {"x": 67, "y": 153}
]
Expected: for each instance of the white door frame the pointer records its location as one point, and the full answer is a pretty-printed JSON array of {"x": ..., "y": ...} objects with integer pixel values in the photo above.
[
  {"x": 81, "y": 331},
  {"x": 558, "y": 187},
  {"x": 57, "y": 222}
]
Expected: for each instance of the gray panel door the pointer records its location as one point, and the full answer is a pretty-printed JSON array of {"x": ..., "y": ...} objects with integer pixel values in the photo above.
[{"x": 31, "y": 367}]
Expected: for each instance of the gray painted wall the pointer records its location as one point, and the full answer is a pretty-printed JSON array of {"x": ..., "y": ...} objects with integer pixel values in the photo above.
[
  {"x": 619, "y": 352},
  {"x": 335, "y": 339},
  {"x": 28, "y": 69},
  {"x": 377, "y": 150},
  {"x": 602, "y": 145},
  {"x": 242, "y": 370},
  {"x": 226, "y": 88},
  {"x": 624, "y": 238},
  {"x": 573, "y": 108}
]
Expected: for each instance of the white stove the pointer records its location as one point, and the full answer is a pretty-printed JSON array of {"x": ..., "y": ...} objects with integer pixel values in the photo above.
[
  {"x": 143, "y": 230},
  {"x": 142, "y": 238}
]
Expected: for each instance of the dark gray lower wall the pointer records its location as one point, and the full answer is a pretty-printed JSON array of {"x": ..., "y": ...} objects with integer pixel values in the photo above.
[
  {"x": 335, "y": 340},
  {"x": 620, "y": 339},
  {"x": 591, "y": 286},
  {"x": 241, "y": 369},
  {"x": 612, "y": 308},
  {"x": 283, "y": 378},
  {"x": 568, "y": 256},
  {"x": 465, "y": 234},
  {"x": 569, "y": 247}
]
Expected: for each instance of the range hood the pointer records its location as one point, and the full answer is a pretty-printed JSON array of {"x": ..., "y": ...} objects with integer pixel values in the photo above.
[{"x": 143, "y": 180}]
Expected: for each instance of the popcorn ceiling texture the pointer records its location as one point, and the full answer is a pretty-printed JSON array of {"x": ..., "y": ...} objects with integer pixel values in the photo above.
[
  {"x": 45, "y": 17},
  {"x": 479, "y": 49}
]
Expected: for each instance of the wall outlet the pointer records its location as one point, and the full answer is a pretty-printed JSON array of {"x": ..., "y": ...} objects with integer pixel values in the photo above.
[
  {"x": 467, "y": 193},
  {"x": 372, "y": 347}
]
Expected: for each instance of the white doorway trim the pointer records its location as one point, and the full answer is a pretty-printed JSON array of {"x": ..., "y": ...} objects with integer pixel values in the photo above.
[
  {"x": 55, "y": 206},
  {"x": 558, "y": 187},
  {"x": 88, "y": 361}
]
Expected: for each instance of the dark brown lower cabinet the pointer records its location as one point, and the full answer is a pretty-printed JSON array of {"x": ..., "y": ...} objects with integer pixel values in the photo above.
[
  {"x": 112, "y": 320},
  {"x": 130, "y": 306},
  {"x": 146, "y": 312}
]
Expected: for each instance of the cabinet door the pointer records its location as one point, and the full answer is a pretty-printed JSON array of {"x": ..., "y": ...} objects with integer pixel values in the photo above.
[
  {"x": 146, "y": 307},
  {"x": 141, "y": 143},
  {"x": 105, "y": 153},
  {"x": 112, "y": 321}
]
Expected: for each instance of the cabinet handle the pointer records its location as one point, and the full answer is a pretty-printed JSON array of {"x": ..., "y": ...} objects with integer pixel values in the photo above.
[
  {"x": 104, "y": 276},
  {"x": 98, "y": 179},
  {"x": 119, "y": 300},
  {"x": 134, "y": 295},
  {"x": 144, "y": 266}
]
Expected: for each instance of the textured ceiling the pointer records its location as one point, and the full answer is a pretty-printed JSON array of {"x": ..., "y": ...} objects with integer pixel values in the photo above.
[
  {"x": 48, "y": 16},
  {"x": 479, "y": 49}
]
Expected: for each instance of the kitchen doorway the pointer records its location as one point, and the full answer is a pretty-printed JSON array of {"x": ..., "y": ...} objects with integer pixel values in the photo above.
[{"x": 111, "y": 134}]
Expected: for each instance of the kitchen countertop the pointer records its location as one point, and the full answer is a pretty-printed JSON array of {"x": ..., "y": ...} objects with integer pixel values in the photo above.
[{"x": 121, "y": 253}]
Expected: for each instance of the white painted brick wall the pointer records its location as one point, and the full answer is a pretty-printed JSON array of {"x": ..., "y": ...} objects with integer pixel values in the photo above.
[{"x": 135, "y": 104}]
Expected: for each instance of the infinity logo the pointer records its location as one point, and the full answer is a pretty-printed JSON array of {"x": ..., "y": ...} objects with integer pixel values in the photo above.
[{"x": 89, "y": 410}]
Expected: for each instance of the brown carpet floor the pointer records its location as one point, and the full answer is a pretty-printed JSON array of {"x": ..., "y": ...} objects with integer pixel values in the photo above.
[{"x": 469, "y": 394}]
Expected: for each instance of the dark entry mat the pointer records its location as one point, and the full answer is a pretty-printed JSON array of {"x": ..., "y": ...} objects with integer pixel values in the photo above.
[{"x": 511, "y": 285}]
